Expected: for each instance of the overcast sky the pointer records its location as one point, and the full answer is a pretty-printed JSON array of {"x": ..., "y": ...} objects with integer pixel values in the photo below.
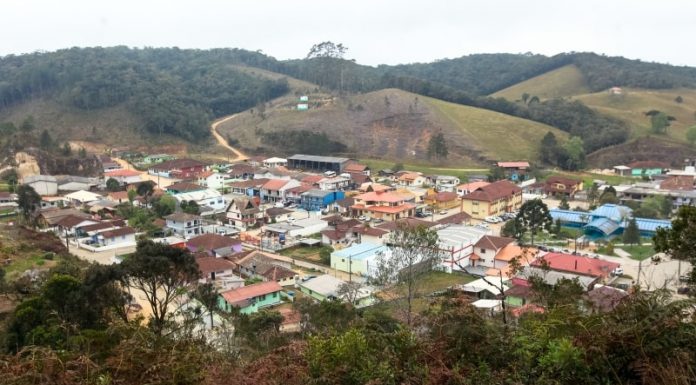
[{"x": 375, "y": 32}]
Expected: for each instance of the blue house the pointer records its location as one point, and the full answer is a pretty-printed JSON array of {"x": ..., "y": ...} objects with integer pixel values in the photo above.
[
  {"x": 607, "y": 221},
  {"x": 317, "y": 200}
]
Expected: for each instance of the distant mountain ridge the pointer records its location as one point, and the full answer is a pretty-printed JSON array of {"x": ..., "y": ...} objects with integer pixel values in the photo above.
[{"x": 177, "y": 92}]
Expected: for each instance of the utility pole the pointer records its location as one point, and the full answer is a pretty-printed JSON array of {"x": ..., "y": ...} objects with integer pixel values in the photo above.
[
  {"x": 67, "y": 240},
  {"x": 350, "y": 268}
]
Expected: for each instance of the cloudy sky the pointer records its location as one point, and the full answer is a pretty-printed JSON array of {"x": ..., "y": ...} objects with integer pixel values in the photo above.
[{"x": 376, "y": 32}]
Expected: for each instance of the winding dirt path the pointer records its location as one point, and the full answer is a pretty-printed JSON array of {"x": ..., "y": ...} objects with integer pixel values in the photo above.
[{"x": 213, "y": 129}]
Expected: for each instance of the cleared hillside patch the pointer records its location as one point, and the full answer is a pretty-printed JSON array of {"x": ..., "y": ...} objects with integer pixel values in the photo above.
[
  {"x": 632, "y": 104},
  {"x": 393, "y": 125},
  {"x": 497, "y": 136},
  {"x": 561, "y": 82}
]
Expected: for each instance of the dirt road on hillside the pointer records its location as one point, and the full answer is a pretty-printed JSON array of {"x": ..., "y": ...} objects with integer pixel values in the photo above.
[{"x": 213, "y": 129}]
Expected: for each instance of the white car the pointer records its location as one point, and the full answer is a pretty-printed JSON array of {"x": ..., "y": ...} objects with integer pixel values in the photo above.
[
  {"x": 443, "y": 212},
  {"x": 362, "y": 218},
  {"x": 618, "y": 271}
]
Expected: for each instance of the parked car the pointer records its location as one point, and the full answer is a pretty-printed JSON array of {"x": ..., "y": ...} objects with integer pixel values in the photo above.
[
  {"x": 683, "y": 290},
  {"x": 618, "y": 271},
  {"x": 443, "y": 212},
  {"x": 362, "y": 218}
]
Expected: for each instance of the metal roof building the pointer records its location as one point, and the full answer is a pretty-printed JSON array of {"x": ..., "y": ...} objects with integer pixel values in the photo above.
[
  {"x": 607, "y": 220},
  {"x": 317, "y": 163}
]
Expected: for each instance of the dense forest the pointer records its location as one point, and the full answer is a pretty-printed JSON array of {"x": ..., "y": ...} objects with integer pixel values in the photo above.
[{"x": 174, "y": 91}]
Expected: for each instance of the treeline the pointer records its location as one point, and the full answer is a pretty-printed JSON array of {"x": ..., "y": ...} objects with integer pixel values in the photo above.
[
  {"x": 173, "y": 91},
  {"x": 303, "y": 141}
]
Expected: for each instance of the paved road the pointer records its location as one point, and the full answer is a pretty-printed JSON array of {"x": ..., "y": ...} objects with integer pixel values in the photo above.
[{"x": 213, "y": 130}]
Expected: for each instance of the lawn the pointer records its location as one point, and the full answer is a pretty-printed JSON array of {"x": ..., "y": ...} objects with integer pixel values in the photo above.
[
  {"x": 641, "y": 252},
  {"x": 587, "y": 178},
  {"x": 18, "y": 266},
  {"x": 461, "y": 173},
  {"x": 308, "y": 253},
  {"x": 561, "y": 82},
  {"x": 432, "y": 282}
]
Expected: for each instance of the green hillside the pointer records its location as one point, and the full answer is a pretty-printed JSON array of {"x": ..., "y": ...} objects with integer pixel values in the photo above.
[
  {"x": 632, "y": 104},
  {"x": 558, "y": 83},
  {"x": 390, "y": 124}
]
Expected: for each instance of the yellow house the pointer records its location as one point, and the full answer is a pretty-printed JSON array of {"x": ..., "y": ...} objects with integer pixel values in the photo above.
[{"x": 492, "y": 200}]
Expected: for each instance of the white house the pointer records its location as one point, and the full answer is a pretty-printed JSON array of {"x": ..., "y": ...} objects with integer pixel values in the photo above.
[
  {"x": 208, "y": 197},
  {"x": 81, "y": 197},
  {"x": 121, "y": 237},
  {"x": 457, "y": 244},
  {"x": 183, "y": 224},
  {"x": 299, "y": 228},
  {"x": 446, "y": 183},
  {"x": 275, "y": 162},
  {"x": 360, "y": 259},
  {"x": 334, "y": 183},
  {"x": 123, "y": 177},
  {"x": 210, "y": 179}
]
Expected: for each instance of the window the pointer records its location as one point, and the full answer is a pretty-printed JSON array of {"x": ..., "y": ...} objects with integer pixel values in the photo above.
[
  {"x": 483, "y": 250},
  {"x": 343, "y": 259}
]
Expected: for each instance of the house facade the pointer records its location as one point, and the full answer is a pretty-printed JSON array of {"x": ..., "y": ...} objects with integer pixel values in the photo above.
[
  {"x": 316, "y": 200},
  {"x": 177, "y": 168},
  {"x": 492, "y": 200},
  {"x": 561, "y": 186},
  {"x": 243, "y": 213},
  {"x": 252, "y": 298},
  {"x": 389, "y": 206},
  {"x": 515, "y": 171},
  {"x": 183, "y": 224}
]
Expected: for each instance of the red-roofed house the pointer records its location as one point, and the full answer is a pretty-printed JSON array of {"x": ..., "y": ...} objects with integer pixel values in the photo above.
[
  {"x": 177, "y": 168},
  {"x": 274, "y": 190},
  {"x": 210, "y": 179},
  {"x": 252, "y": 298},
  {"x": 591, "y": 267},
  {"x": 218, "y": 269},
  {"x": 411, "y": 179},
  {"x": 557, "y": 185},
  {"x": 516, "y": 171},
  {"x": 467, "y": 188},
  {"x": 213, "y": 244},
  {"x": 389, "y": 206},
  {"x": 123, "y": 177},
  {"x": 492, "y": 200},
  {"x": 357, "y": 168}
]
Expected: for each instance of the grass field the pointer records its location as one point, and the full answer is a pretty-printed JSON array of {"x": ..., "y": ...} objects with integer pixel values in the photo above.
[
  {"x": 394, "y": 125},
  {"x": 633, "y": 103},
  {"x": 561, "y": 82},
  {"x": 461, "y": 173},
  {"x": 497, "y": 136},
  {"x": 588, "y": 177}
]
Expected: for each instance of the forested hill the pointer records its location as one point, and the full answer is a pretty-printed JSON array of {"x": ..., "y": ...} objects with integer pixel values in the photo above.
[
  {"x": 178, "y": 92},
  {"x": 171, "y": 91}
]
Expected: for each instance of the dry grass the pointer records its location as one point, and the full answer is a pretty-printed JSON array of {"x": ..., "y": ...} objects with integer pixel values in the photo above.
[
  {"x": 633, "y": 103},
  {"x": 561, "y": 82}
]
